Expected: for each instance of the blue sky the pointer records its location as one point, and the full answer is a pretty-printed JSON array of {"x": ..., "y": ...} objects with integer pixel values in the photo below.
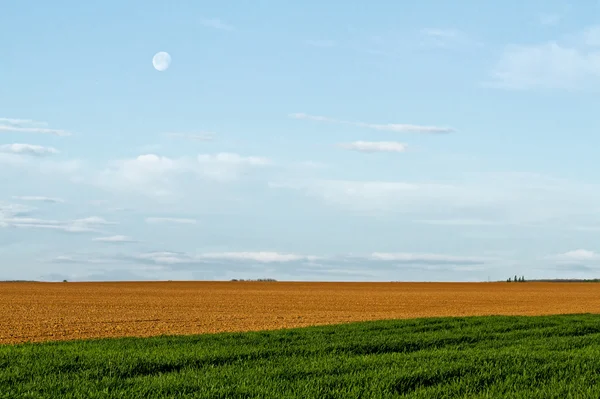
[{"x": 414, "y": 141}]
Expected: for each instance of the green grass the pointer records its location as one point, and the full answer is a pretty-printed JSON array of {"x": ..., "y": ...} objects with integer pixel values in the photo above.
[{"x": 475, "y": 357}]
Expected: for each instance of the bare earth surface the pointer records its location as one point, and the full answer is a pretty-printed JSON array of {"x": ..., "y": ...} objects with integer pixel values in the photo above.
[{"x": 33, "y": 312}]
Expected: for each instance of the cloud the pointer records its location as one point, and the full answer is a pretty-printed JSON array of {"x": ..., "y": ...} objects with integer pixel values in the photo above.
[
  {"x": 202, "y": 136},
  {"x": 370, "y": 146},
  {"x": 391, "y": 127},
  {"x": 51, "y": 200},
  {"x": 157, "y": 220},
  {"x": 262, "y": 257},
  {"x": 165, "y": 258},
  {"x": 578, "y": 260},
  {"x": 549, "y": 19},
  {"x": 578, "y": 255},
  {"x": 21, "y": 122},
  {"x": 287, "y": 263},
  {"x": 40, "y": 165},
  {"x": 156, "y": 175},
  {"x": 27, "y": 149},
  {"x": 28, "y": 126},
  {"x": 445, "y": 38},
  {"x": 571, "y": 63},
  {"x": 436, "y": 259},
  {"x": 310, "y": 165},
  {"x": 179, "y": 258},
  {"x": 216, "y": 23},
  {"x": 464, "y": 222},
  {"x": 377, "y": 195},
  {"x": 321, "y": 43},
  {"x": 232, "y": 159},
  {"x": 511, "y": 198},
  {"x": 12, "y": 219},
  {"x": 149, "y": 174},
  {"x": 117, "y": 239},
  {"x": 86, "y": 259}
]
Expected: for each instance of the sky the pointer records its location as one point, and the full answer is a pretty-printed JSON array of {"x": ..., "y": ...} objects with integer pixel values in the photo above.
[{"x": 314, "y": 141}]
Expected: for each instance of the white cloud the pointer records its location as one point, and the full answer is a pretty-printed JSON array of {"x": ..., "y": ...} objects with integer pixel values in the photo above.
[
  {"x": 227, "y": 166},
  {"x": 310, "y": 165},
  {"x": 38, "y": 165},
  {"x": 158, "y": 175},
  {"x": 202, "y": 136},
  {"x": 166, "y": 257},
  {"x": 11, "y": 125},
  {"x": 232, "y": 159},
  {"x": 51, "y": 200},
  {"x": 85, "y": 225},
  {"x": 156, "y": 220},
  {"x": 27, "y": 149},
  {"x": 216, "y": 23},
  {"x": 177, "y": 258},
  {"x": 413, "y": 258},
  {"x": 378, "y": 195},
  {"x": 573, "y": 62},
  {"x": 263, "y": 257},
  {"x": 94, "y": 220},
  {"x": 378, "y": 146},
  {"x": 477, "y": 198},
  {"x": 321, "y": 43},
  {"x": 21, "y": 122},
  {"x": 445, "y": 38},
  {"x": 115, "y": 239},
  {"x": 549, "y": 19},
  {"x": 11, "y": 210},
  {"x": 464, "y": 222},
  {"x": 391, "y": 127},
  {"x": 577, "y": 255}
]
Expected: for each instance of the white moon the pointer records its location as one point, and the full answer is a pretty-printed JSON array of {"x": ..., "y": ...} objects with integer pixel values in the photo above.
[{"x": 161, "y": 61}]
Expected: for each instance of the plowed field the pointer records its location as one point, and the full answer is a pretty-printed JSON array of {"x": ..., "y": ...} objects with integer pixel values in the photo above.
[{"x": 62, "y": 311}]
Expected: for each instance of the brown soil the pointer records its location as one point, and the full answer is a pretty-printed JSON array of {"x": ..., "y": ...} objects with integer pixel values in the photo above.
[{"x": 32, "y": 312}]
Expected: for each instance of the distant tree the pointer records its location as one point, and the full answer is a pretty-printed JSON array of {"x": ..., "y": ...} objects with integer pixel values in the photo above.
[
  {"x": 523, "y": 279},
  {"x": 509, "y": 280},
  {"x": 64, "y": 281},
  {"x": 516, "y": 278}
]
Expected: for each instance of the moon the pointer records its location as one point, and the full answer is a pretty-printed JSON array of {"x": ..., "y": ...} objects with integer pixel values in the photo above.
[{"x": 161, "y": 61}]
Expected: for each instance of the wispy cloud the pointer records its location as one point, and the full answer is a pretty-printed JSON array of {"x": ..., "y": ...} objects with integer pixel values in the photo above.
[
  {"x": 12, "y": 210},
  {"x": 423, "y": 258},
  {"x": 478, "y": 198},
  {"x": 391, "y": 127},
  {"x": 201, "y": 136},
  {"x": 569, "y": 63},
  {"x": 27, "y": 149},
  {"x": 549, "y": 19},
  {"x": 263, "y": 257},
  {"x": 370, "y": 146},
  {"x": 51, "y": 200},
  {"x": 84, "y": 225},
  {"x": 216, "y": 23},
  {"x": 321, "y": 43},
  {"x": 157, "y": 220},
  {"x": 12, "y": 125},
  {"x": 446, "y": 38},
  {"x": 156, "y": 175},
  {"x": 463, "y": 222},
  {"x": 578, "y": 255},
  {"x": 116, "y": 239},
  {"x": 21, "y": 122},
  {"x": 232, "y": 159}
]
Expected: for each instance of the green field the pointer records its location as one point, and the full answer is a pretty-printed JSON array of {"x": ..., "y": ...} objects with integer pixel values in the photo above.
[{"x": 475, "y": 357}]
